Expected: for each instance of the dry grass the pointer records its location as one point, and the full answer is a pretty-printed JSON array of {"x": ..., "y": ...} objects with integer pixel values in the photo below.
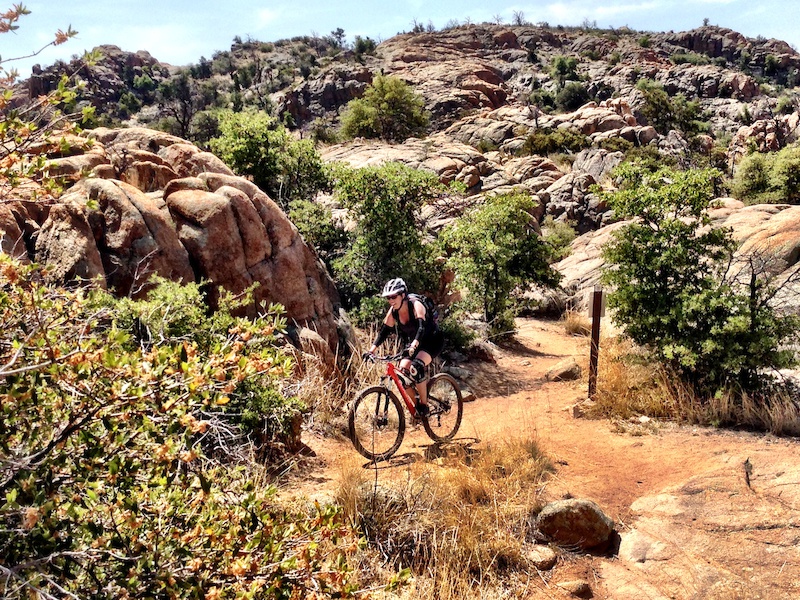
[
  {"x": 327, "y": 392},
  {"x": 462, "y": 527},
  {"x": 577, "y": 323},
  {"x": 628, "y": 386}
]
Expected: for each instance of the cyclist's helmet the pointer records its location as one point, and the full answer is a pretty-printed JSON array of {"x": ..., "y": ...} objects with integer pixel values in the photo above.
[{"x": 393, "y": 287}]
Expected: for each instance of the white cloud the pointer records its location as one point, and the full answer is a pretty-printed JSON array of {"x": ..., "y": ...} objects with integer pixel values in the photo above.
[
  {"x": 568, "y": 12},
  {"x": 627, "y": 9},
  {"x": 177, "y": 45},
  {"x": 266, "y": 17}
]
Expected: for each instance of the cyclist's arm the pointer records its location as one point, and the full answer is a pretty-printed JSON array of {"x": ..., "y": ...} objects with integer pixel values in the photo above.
[
  {"x": 386, "y": 328},
  {"x": 419, "y": 313}
]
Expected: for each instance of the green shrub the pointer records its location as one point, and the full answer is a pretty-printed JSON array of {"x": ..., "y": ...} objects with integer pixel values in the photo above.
[
  {"x": 369, "y": 310},
  {"x": 769, "y": 178},
  {"x": 174, "y": 313},
  {"x": 616, "y": 144},
  {"x": 389, "y": 110},
  {"x": 564, "y": 68},
  {"x": 674, "y": 292},
  {"x": 649, "y": 158},
  {"x": 387, "y": 241},
  {"x": 543, "y": 99},
  {"x": 545, "y": 141},
  {"x": 559, "y": 235},
  {"x": 106, "y": 489},
  {"x": 495, "y": 249},
  {"x": 316, "y": 225},
  {"x": 666, "y": 113},
  {"x": 572, "y": 96},
  {"x": 786, "y": 105},
  {"x": 364, "y": 46},
  {"x": 692, "y": 58},
  {"x": 457, "y": 335},
  {"x": 256, "y": 144}
]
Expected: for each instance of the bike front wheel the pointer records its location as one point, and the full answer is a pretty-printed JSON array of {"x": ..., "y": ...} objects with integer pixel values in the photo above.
[
  {"x": 376, "y": 423},
  {"x": 446, "y": 408}
]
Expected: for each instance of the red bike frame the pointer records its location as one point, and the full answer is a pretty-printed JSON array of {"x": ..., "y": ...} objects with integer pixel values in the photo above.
[{"x": 391, "y": 372}]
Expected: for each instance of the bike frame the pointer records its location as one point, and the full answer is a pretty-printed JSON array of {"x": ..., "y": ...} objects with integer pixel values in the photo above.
[{"x": 391, "y": 373}]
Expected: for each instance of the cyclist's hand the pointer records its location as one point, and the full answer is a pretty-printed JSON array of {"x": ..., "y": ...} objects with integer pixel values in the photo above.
[{"x": 369, "y": 356}]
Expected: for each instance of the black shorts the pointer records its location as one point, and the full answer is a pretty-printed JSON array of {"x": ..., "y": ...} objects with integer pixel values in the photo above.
[{"x": 433, "y": 343}]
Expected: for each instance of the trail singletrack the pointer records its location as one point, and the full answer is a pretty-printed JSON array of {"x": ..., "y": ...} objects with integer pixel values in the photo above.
[{"x": 692, "y": 525}]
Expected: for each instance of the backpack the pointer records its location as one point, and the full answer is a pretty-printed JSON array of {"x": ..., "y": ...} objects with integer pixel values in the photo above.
[{"x": 431, "y": 311}]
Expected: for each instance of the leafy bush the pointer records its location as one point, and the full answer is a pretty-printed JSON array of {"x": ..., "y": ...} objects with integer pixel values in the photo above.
[
  {"x": 457, "y": 335},
  {"x": 494, "y": 249},
  {"x": 322, "y": 131},
  {"x": 543, "y": 100},
  {"x": 666, "y": 113},
  {"x": 387, "y": 241},
  {"x": 692, "y": 58},
  {"x": 572, "y": 96},
  {"x": 786, "y": 105},
  {"x": 256, "y": 144},
  {"x": 564, "y": 68},
  {"x": 174, "y": 314},
  {"x": 316, "y": 225},
  {"x": 675, "y": 291},
  {"x": 29, "y": 130},
  {"x": 649, "y": 157},
  {"x": 542, "y": 142},
  {"x": 389, "y": 110},
  {"x": 769, "y": 178},
  {"x": 105, "y": 489},
  {"x": 559, "y": 235},
  {"x": 364, "y": 45}
]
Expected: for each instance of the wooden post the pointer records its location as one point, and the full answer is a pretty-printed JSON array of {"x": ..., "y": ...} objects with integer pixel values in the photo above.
[{"x": 596, "y": 307}]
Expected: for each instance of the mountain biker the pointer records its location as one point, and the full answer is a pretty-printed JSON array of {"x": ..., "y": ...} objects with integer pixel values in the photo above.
[{"x": 421, "y": 335}]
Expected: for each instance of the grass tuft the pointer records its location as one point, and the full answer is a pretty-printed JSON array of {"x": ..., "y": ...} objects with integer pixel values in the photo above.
[
  {"x": 461, "y": 526},
  {"x": 629, "y": 386},
  {"x": 577, "y": 323}
]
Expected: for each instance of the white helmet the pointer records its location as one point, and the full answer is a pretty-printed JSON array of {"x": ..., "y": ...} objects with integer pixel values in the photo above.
[{"x": 394, "y": 287}]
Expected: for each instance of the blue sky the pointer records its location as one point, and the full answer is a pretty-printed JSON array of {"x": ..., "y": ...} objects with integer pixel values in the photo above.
[{"x": 181, "y": 31}]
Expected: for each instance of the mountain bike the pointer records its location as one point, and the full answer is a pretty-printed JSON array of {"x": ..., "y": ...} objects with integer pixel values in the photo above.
[{"x": 377, "y": 421}]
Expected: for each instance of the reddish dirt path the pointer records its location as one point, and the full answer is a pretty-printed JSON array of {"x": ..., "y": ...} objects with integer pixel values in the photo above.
[{"x": 695, "y": 471}]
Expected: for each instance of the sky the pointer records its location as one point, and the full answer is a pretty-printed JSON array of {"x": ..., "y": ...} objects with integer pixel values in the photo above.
[{"x": 179, "y": 32}]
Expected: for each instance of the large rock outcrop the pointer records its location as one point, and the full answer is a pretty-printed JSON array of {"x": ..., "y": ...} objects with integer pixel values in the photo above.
[
  {"x": 766, "y": 233},
  {"x": 159, "y": 205}
]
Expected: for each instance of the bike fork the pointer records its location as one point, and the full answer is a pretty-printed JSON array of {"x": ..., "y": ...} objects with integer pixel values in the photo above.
[{"x": 381, "y": 415}]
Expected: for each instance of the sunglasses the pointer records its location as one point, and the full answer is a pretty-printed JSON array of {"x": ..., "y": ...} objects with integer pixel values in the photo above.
[{"x": 393, "y": 297}]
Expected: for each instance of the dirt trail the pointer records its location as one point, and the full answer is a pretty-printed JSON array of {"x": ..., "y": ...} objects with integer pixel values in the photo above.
[{"x": 691, "y": 524}]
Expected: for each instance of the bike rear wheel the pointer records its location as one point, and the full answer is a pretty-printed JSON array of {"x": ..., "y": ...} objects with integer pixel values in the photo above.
[
  {"x": 446, "y": 408},
  {"x": 376, "y": 423}
]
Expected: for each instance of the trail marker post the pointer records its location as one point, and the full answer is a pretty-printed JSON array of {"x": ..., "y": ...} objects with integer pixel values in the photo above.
[{"x": 597, "y": 310}]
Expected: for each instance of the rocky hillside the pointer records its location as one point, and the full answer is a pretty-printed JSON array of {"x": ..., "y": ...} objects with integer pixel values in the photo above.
[
  {"x": 465, "y": 69},
  {"x": 155, "y": 204},
  {"x": 490, "y": 89}
]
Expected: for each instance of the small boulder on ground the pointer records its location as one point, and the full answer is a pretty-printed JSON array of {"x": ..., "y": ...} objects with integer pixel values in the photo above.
[
  {"x": 577, "y": 588},
  {"x": 575, "y": 523},
  {"x": 566, "y": 370},
  {"x": 542, "y": 557}
]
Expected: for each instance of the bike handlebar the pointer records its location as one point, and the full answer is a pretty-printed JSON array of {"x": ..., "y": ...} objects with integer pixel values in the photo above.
[{"x": 387, "y": 358}]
